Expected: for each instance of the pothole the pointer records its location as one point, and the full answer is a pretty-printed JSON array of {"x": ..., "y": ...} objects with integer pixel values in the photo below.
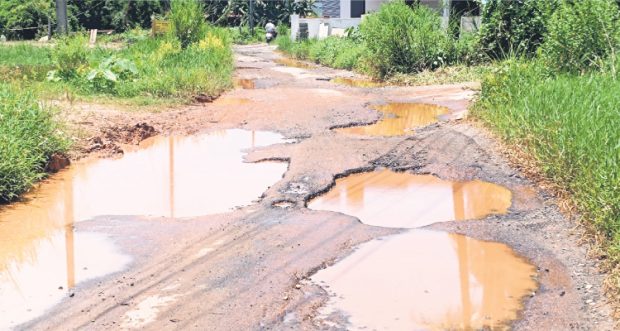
[
  {"x": 293, "y": 63},
  {"x": 39, "y": 271},
  {"x": 229, "y": 101},
  {"x": 244, "y": 83},
  {"x": 427, "y": 280},
  {"x": 399, "y": 119},
  {"x": 392, "y": 199},
  {"x": 164, "y": 176},
  {"x": 285, "y": 204},
  {"x": 357, "y": 82}
]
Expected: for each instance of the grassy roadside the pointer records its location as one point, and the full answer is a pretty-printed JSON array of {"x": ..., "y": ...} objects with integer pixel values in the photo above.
[
  {"x": 158, "y": 69},
  {"x": 568, "y": 124},
  {"x": 29, "y": 136}
]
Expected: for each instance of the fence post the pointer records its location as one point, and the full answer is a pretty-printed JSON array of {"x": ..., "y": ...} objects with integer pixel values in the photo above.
[{"x": 61, "y": 16}]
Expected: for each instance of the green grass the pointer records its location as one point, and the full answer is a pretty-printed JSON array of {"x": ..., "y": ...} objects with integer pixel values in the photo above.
[
  {"x": 335, "y": 52},
  {"x": 164, "y": 70},
  {"x": 29, "y": 135},
  {"x": 570, "y": 125}
]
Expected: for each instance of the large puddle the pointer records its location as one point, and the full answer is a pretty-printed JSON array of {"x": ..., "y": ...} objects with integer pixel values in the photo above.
[
  {"x": 391, "y": 199},
  {"x": 428, "y": 280},
  {"x": 399, "y": 119},
  {"x": 165, "y": 176}
]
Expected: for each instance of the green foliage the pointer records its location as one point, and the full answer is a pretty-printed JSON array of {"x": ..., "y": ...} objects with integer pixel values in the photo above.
[
  {"x": 514, "y": 27},
  {"x": 70, "y": 55},
  {"x": 236, "y": 12},
  {"x": 119, "y": 15},
  {"x": 29, "y": 135},
  {"x": 31, "y": 16},
  {"x": 401, "y": 39},
  {"x": 569, "y": 124},
  {"x": 188, "y": 22},
  {"x": 582, "y": 35},
  {"x": 111, "y": 71}
]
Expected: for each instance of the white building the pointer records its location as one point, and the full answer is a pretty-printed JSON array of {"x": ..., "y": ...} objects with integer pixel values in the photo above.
[{"x": 338, "y": 15}]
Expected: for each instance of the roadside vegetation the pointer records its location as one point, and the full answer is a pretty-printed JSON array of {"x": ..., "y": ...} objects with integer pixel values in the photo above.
[
  {"x": 29, "y": 136},
  {"x": 559, "y": 103},
  {"x": 549, "y": 74}
]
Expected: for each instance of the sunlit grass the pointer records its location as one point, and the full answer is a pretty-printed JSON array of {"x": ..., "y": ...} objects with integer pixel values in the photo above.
[
  {"x": 570, "y": 125},
  {"x": 29, "y": 135}
]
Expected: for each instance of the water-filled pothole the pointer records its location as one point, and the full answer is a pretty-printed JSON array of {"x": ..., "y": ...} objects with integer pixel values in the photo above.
[
  {"x": 165, "y": 176},
  {"x": 37, "y": 274},
  {"x": 399, "y": 119},
  {"x": 285, "y": 61},
  {"x": 245, "y": 83},
  {"x": 357, "y": 82},
  {"x": 423, "y": 280},
  {"x": 229, "y": 101},
  {"x": 392, "y": 199}
]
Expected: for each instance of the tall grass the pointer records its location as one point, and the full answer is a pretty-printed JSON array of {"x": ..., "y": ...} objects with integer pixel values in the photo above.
[
  {"x": 569, "y": 124},
  {"x": 29, "y": 135}
]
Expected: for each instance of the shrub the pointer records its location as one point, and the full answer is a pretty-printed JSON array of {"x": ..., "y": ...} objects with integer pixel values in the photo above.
[
  {"x": 401, "y": 39},
  {"x": 29, "y": 135},
  {"x": 514, "y": 27},
  {"x": 70, "y": 55},
  {"x": 188, "y": 22},
  {"x": 582, "y": 35}
]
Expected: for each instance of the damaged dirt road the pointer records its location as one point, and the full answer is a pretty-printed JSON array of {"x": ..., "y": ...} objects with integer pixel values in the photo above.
[{"x": 386, "y": 227}]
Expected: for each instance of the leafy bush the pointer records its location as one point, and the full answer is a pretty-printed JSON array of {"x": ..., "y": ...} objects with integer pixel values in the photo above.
[
  {"x": 188, "y": 22},
  {"x": 70, "y": 55},
  {"x": 569, "y": 124},
  {"x": 402, "y": 39},
  {"x": 29, "y": 135},
  {"x": 111, "y": 71},
  {"x": 514, "y": 27},
  {"x": 582, "y": 35}
]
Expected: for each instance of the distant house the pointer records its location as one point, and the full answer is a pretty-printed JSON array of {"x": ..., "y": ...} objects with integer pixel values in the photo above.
[{"x": 335, "y": 16}]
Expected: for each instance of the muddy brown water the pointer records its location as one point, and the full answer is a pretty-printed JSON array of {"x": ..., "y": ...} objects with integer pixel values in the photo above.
[
  {"x": 357, "y": 82},
  {"x": 41, "y": 257},
  {"x": 244, "y": 83},
  {"x": 427, "y": 280},
  {"x": 293, "y": 63},
  {"x": 399, "y": 119},
  {"x": 392, "y": 199},
  {"x": 422, "y": 279}
]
